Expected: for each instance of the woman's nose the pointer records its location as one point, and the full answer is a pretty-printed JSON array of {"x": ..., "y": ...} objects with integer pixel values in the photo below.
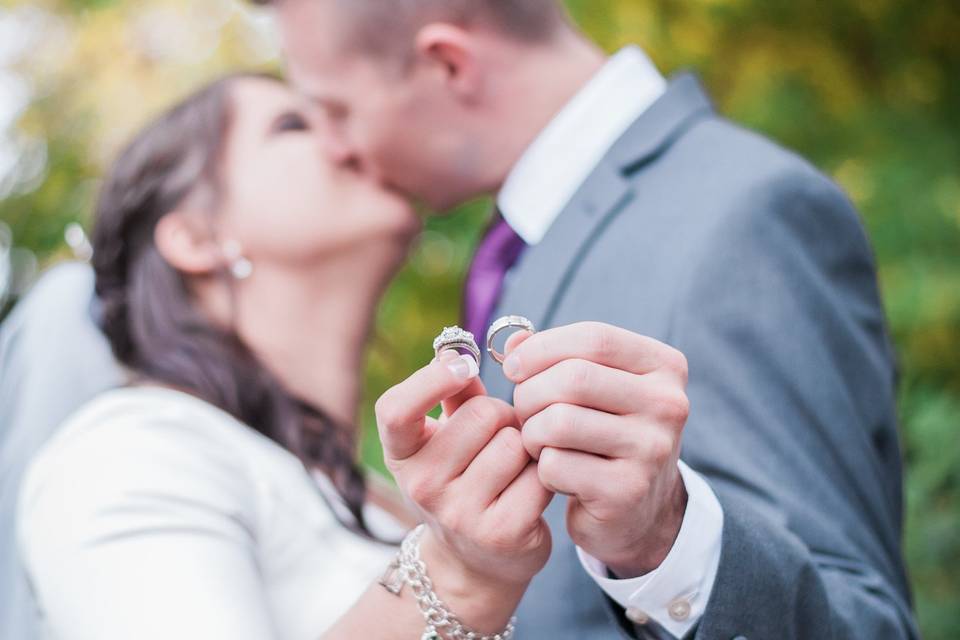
[
  {"x": 347, "y": 158},
  {"x": 338, "y": 150}
]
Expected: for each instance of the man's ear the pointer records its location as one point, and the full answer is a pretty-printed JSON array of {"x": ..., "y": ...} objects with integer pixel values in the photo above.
[
  {"x": 453, "y": 52},
  {"x": 188, "y": 244}
]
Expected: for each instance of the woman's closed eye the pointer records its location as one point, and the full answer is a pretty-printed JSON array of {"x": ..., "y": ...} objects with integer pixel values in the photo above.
[{"x": 290, "y": 121}]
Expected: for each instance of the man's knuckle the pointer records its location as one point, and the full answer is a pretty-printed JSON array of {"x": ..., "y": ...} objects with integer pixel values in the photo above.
[
  {"x": 533, "y": 436},
  {"x": 677, "y": 362},
  {"x": 660, "y": 449},
  {"x": 548, "y": 467},
  {"x": 674, "y": 408},
  {"x": 559, "y": 416},
  {"x": 521, "y": 400},
  {"x": 637, "y": 487},
  {"x": 577, "y": 374},
  {"x": 598, "y": 345}
]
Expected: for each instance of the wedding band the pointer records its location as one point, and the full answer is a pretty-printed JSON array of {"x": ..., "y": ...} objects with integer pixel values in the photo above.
[
  {"x": 506, "y": 322},
  {"x": 456, "y": 339}
]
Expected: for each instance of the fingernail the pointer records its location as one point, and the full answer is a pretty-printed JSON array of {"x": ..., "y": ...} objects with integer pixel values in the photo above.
[
  {"x": 464, "y": 367},
  {"x": 511, "y": 367},
  {"x": 448, "y": 355}
]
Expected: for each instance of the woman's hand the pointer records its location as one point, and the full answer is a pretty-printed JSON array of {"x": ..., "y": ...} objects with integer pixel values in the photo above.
[{"x": 471, "y": 478}]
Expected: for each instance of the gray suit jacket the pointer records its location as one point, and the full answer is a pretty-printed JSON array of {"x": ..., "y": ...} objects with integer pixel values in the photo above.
[
  {"x": 744, "y": 257},
  {"x": 53, "y": 359}
]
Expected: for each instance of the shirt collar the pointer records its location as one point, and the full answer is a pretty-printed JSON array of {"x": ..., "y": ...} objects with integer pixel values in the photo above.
[{"x": 561, "y": 158}]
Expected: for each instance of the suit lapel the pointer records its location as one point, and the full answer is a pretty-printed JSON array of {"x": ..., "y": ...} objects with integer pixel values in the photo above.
[{"x": 534, "y": 286}]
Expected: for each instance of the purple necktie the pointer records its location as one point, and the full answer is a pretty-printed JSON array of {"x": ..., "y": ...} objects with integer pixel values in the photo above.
[{"x": 498, "y": 251}]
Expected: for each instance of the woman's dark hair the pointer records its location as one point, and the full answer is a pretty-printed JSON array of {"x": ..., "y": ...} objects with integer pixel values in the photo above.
[{"x": 148, "y": 316}]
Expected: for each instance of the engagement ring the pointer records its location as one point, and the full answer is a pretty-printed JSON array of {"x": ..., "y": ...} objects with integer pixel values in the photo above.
[{"x": 457, "y": 339}]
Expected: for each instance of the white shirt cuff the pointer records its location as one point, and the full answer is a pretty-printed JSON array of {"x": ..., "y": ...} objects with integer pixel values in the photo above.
[{"x": 675, "y": 594}]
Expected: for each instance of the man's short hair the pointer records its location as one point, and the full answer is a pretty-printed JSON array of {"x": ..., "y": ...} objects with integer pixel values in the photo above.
[{"x": 387, "y": 26}]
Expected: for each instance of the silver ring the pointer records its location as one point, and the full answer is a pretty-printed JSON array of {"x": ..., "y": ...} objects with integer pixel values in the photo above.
[
  {"x": 506, "y": 322},
  {"x": 456, "y": 339}
]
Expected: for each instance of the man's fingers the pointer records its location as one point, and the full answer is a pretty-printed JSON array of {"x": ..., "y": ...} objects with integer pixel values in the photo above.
[
  {"x": 515, "y": 340},
  {"x": 582, "y": 383},
  {"x": 567, "y": 426},
  {"x": 402, "y": 409},
  {"x": 597, "y": 342},
  {"x": 575, "y": 473}
]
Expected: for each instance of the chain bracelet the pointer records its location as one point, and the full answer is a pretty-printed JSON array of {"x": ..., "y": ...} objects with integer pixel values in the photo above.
[{"x": 442, "y": 624}]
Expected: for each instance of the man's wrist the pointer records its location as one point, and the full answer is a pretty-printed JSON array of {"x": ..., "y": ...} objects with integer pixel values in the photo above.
[
  {"x": 675, "y": 593},
  {"x": 650, "y": 552}
]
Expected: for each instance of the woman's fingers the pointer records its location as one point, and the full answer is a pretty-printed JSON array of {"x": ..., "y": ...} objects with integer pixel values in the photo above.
[
  {"x": 463, "y": 435},
  {"x": 401, "y": 411},
  {"x": 496, "y": 466},
  {"x": 524, "y": 500},
  {"x": 472, "y": 390}
]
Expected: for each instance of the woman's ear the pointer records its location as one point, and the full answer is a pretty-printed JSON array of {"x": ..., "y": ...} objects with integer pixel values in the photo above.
[{"x": 188, "y": 244}]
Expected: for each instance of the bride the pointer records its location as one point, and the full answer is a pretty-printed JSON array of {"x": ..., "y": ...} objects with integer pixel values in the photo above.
[{"x": 216, "y": 496}]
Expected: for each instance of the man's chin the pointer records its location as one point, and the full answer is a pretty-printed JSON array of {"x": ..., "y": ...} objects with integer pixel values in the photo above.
[
  {"x": 432, "y": 204},
  {"x": 438, "y": 208}
]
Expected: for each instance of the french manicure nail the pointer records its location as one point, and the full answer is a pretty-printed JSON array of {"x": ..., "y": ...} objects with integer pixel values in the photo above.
[
  {"x": 464, "y": 367},
  {"x": 448, "y": 355}
]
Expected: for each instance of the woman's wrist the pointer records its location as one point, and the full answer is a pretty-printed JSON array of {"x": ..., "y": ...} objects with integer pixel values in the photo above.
[{"x": 484, "y": 602}]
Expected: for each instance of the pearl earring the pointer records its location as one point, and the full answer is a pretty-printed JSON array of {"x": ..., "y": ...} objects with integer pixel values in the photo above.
[{"x": 240, "y": 267}]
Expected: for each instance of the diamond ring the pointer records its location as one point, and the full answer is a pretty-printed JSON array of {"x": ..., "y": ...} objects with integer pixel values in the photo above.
[
  {"x": 456, "y": 339},
  {"x": 506, "y": 322}
]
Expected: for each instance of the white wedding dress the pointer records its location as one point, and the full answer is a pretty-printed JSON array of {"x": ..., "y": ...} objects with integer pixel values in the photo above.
[{"x": 153, "y": 515}]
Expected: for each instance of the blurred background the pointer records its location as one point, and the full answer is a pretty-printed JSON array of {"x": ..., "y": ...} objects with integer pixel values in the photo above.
[{"x": 869, "y": 90}]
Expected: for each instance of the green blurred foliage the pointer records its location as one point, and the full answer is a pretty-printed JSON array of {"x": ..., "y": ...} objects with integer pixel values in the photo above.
[{"x": 869, "y": 90}]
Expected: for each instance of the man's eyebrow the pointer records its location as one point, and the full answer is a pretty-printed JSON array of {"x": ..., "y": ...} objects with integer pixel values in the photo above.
[
  {"x": 323, "y": 100},
  {"x": 308, "y": 94}
]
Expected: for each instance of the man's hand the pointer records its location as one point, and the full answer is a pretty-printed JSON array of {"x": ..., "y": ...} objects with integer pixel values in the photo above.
[
  {"x": 603, "y": 410},
  {"x": 468, "y": 473}
]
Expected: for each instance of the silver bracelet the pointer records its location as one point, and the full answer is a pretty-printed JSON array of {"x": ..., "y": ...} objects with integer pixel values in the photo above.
[{"x": 442, "y": 624}]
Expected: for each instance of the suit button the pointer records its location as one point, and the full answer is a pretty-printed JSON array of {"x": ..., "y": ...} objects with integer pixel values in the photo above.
[
  {"x": 679, "y": 609},
  {"x": 637, "y": 616}
]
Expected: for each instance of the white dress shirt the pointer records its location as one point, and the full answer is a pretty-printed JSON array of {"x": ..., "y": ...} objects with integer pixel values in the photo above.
[
  {"x": 154, "y": 515},
  {"x": 536, "y": 191}
]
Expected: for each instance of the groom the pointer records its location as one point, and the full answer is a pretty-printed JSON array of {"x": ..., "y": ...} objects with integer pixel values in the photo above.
[{"x": 624, "y": 199}]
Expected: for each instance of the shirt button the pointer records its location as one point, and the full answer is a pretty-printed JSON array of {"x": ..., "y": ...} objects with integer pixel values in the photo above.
[
  {"x": 679, "y": 609},
  {"x": 637, "y": 616}
]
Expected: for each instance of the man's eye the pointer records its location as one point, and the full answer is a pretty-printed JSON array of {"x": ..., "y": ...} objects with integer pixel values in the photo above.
[{"x": 291, "y": 122}]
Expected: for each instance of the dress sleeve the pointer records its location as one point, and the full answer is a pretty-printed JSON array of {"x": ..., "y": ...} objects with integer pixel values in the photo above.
[{"x": 143, "y": 528}]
